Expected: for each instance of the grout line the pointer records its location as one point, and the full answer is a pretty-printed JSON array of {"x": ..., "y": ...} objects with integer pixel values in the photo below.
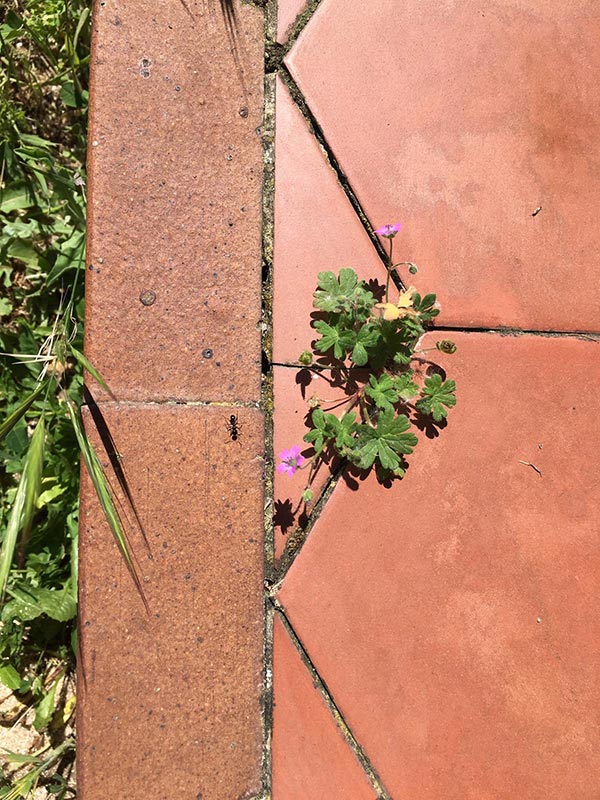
[
  {"x": 323, "y": 689},
  {"x": 317, "y": 131},
  {"x": 299, "y": 366},
  {"x": 267, "y": 309},
  {"x": 270, "y": 9},
  {"x": 115, "y": 401},
  {"x": 268, "y": 226},
  {"x": 507, "y": 331},
  {"x": 267, "y": 700}
]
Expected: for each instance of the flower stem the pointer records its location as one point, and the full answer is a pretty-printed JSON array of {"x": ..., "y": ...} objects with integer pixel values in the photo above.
[{"x": 389, "y": 272}]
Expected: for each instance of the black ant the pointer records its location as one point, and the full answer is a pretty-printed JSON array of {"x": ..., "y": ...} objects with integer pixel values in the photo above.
[{"x": 233, "y": 426}]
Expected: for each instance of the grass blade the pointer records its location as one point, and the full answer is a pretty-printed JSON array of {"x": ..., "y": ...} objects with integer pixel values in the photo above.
[
  {"x": 28, "y": 782},
  {"x": 82, "y": 20},
  {"x": 23, "y": 510},
  {"x": 10, "y": 422},
  {"x": 101, "y": 486},
  {"x": 90, "y": 368}
]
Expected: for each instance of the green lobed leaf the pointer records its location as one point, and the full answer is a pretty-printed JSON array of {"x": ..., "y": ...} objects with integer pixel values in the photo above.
[
  {"x": 405, "y": 386},
  {"x": 382, "y": 391},
  {"x": 316, "y": 438},
  {"x": 330, "y": 339},
  {"x": 436, "y": 397},
  {"x": 359, "y": 355},
  {"x": 386, "y": 442},
  {"x": 367, "y": 337},
  {"x": 334, "y": 294},
  {"x": 326, "y": 428},
  {"x": 344, "y": 431},
  {"x": 425, "y": 306}
]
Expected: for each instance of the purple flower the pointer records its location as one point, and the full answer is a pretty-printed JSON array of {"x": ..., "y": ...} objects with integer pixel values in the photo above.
[
  {"x": 389, "y": 231},
  {"x": 291, "y": 460}
]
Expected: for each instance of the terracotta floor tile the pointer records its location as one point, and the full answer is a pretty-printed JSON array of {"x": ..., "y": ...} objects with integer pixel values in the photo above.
[
  {"x": 462, "y": 121},
  {"x": 175, "y": 164},
  {"x": 316, "y": 229},
  {"x": 170, "y": 701},
  {"x": 287, "y": 11},
  {"x": 292, "y": 388},
  {"x": 311, "y": 758},
  {"x": 453, "y": 617}
]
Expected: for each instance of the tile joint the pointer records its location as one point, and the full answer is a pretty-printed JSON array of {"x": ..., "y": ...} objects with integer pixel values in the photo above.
[
  {"x": 267, "y": 401},
  {"x": 327, "y": 150},
  {"x": 170, "y": 403},
  {"x": 300, "y": 23},
  {"x": 337, "y": 715},
  {"x": 593, "y": 336},
  {"x": 297, "y": 539}
]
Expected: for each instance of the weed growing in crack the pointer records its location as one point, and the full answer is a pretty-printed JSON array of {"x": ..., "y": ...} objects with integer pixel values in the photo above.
[{"x": 369, "y": 340}]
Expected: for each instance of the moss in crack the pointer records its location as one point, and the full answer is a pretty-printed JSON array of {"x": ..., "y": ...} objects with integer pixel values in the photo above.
[
  {"x": 268, "y": 194},
  {"x": 588, "y": 336},
  {"x": 300, "y": 23},
  {"x": 274, "y": 54},
  {"x": 267, "y": 698},
  {"x": 270, "y": 7},
  {"x": 267, "y": 331}
]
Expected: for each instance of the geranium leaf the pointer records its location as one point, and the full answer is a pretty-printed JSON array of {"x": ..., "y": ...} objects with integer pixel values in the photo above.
[{"x": 436, "y": 397}]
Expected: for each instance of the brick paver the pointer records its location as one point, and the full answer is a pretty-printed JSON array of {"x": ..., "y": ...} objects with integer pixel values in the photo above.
[
  {"x": 175, "y": 201},
  {"x": 170, "y": 697}
]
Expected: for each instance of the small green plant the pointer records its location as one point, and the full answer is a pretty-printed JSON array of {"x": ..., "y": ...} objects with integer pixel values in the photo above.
[
  {"x": 44, "y": 55},
  {"x": 372, "y": 348},
  {"x": 37, "y": 764}
]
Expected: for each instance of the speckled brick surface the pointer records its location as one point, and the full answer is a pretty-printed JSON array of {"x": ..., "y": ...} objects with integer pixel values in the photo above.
[
  {"x": 169, "y": 698},
  {"x": 175, "y": 161}
]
